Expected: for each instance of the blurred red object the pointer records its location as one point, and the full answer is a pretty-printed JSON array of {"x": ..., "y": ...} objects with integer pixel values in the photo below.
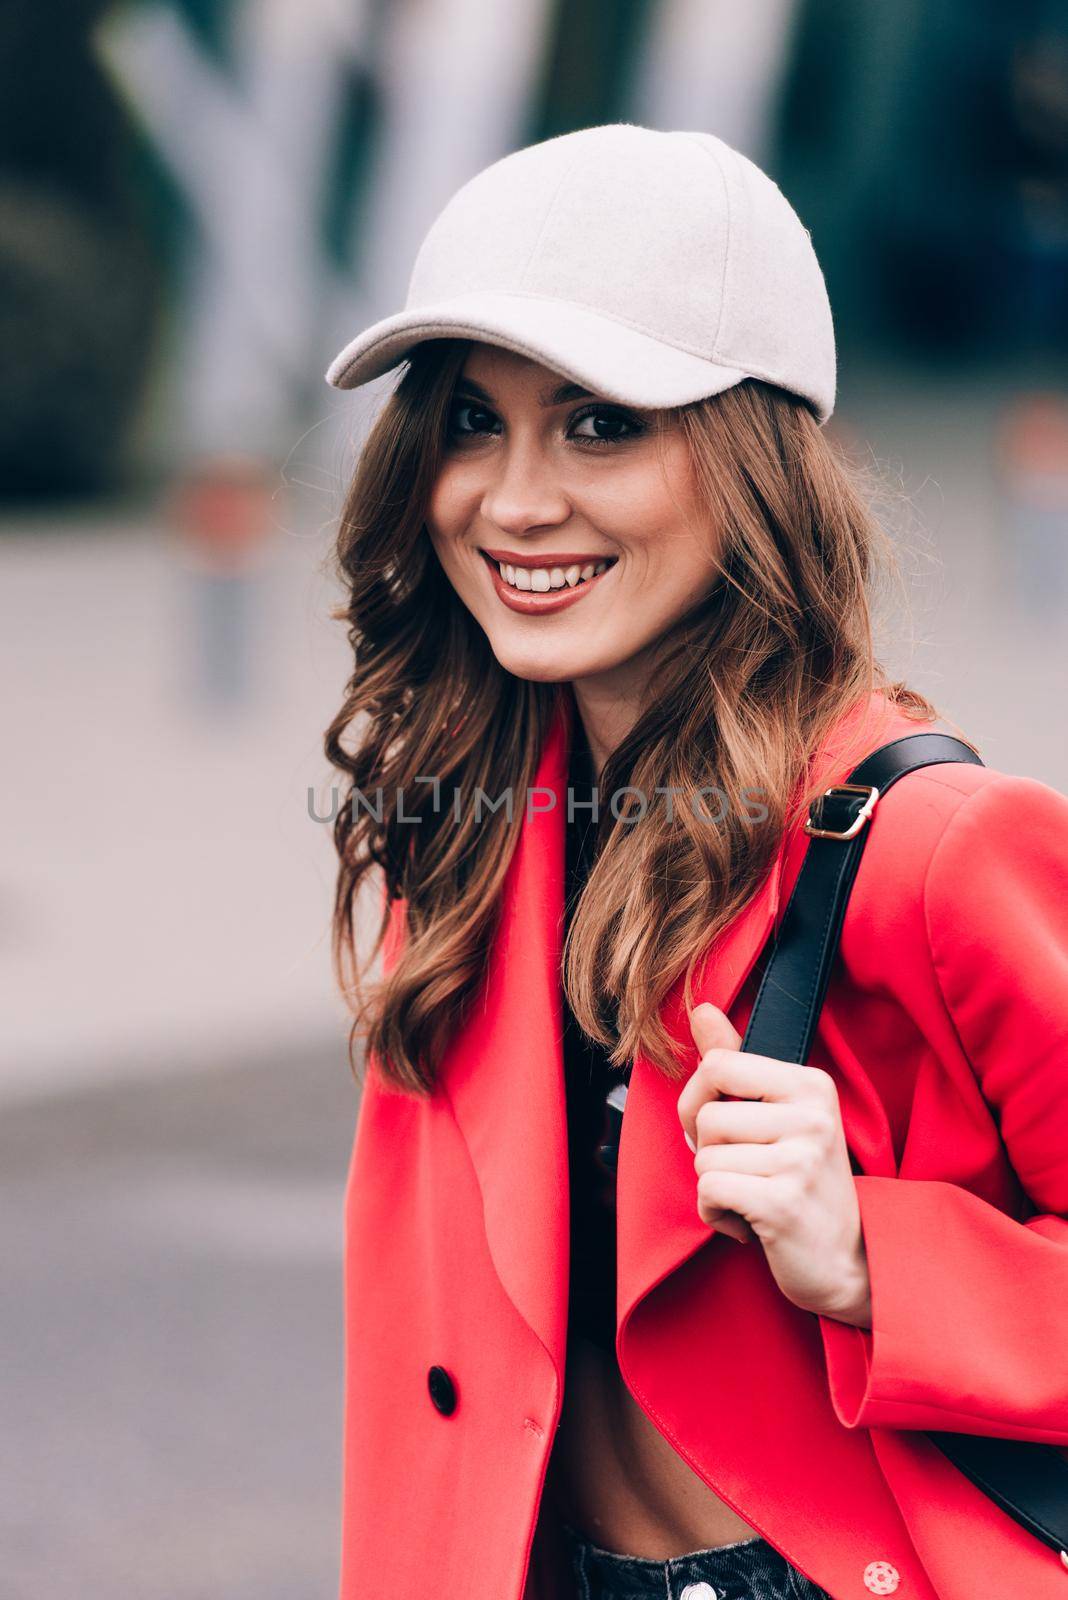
[
  {"x": 1032, "y": 462},
  {"x": 1033, "y": 441},
  {"x": 221, "y": 511}
]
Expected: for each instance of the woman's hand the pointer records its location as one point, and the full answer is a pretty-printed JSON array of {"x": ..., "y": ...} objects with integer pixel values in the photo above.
[{"x": 773, "y": 1164}]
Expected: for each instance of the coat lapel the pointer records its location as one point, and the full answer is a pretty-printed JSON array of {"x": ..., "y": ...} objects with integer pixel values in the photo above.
[{"x": 503, "y": 1072}]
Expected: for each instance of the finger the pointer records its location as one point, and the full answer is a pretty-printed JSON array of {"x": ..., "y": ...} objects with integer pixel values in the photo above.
[
  {"x": 743, "y": 1192},
  {"x": 760, "y": 1160},
  {"x": 712, "y": 1028},
  {"x": 746, "y": 1122},
  {"x": 730, "y": 1223},
  {"x": 743, "y": 1075},
  {"x": 723, "y": 1072}
]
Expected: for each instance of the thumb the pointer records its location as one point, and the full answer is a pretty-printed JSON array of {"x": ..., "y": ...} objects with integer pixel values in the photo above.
[{"x": 712, "y": 1029}]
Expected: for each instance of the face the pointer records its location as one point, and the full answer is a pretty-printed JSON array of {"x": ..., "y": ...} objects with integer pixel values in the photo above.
[{"x": 571, "y": 532}]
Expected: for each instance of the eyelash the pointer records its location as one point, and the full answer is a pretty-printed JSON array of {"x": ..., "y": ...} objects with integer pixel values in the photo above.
[{"x": 611, "y": 412}]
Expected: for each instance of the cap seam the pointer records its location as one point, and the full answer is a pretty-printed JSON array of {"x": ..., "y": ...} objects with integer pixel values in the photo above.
[
  {"x": 550, "y": 208},
  {"x": 717, "y": 163}
]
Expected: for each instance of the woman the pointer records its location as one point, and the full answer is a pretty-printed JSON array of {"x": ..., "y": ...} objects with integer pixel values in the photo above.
[{"x": 596, "y": 541}]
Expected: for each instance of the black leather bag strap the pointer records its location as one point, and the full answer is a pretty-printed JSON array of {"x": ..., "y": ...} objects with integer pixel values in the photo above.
[
  {"x": 1027, "y": 1480},
  {"x": 787, "y": 1006}
]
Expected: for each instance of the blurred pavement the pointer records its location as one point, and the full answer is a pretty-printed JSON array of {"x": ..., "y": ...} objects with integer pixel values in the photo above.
[
  {"x": 172, "y": 1336},
  {"x": 164, "y": 894}
]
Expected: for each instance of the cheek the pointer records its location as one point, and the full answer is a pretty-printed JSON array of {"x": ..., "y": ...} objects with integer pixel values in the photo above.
[
  {"x": 443, "y": 506},
  {"x": 632, "y": 502},
  {"x": 447, "y": 517},
  {"x": 648, "y": 499},
  {"x": 680, "y": 546},
  {"x": 672, "y": 568}
]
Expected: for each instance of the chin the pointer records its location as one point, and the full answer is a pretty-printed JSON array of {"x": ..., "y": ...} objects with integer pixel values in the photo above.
[
  {"x": 539, "y": 666},
  {"x": 536, "y": 671}
]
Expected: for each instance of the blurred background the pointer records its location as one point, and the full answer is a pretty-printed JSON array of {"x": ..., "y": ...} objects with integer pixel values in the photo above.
[{"x": 200, "y": 202}]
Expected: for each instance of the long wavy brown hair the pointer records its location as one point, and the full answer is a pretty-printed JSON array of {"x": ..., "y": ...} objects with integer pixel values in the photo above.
[{"x": 746, "y": 688}]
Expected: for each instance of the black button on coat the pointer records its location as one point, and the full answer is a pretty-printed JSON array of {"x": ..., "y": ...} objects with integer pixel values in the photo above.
[{"x": 442, "y": 1390}]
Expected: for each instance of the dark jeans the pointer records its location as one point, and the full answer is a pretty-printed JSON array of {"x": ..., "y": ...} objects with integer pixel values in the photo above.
[{"x": 752, "y": 1569}]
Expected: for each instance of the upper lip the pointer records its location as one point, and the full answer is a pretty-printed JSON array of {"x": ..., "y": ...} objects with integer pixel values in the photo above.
[{"x": 550, "y": 559}]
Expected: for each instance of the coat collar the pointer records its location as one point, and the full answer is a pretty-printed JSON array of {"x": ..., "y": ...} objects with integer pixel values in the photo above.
[{"x": 503, "y": 1071}]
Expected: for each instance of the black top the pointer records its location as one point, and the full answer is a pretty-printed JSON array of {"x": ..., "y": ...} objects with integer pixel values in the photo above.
[{"x": 592, "y": 1127}]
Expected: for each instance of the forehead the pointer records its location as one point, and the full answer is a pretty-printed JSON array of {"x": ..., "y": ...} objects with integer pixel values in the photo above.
[
  {"x": 491, "y": 367},
  {"x": 485, "y": 358},
  {"x": 494, "y": 374}
]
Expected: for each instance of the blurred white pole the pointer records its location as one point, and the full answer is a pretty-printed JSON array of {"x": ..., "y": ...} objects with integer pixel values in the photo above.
[
  {"x": 716, "y": 66},
  {"x": 289, "y": 62},
  {"x": 250, "y": 157},
  {"x": 456, "y": 81}
]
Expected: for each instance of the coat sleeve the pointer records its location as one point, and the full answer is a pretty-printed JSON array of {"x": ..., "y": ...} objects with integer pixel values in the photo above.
[{"x": 969, "y": 1305}]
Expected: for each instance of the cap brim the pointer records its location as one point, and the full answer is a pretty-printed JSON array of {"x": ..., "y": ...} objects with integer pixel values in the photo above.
[{"x": 605, "y": 356}]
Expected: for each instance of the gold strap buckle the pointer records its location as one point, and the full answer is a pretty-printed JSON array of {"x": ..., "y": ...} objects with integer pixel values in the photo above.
[{"x": 858, "y": 821}]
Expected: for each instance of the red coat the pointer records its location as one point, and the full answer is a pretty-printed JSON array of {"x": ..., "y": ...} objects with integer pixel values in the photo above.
[{"x": 946, "y": 1030}]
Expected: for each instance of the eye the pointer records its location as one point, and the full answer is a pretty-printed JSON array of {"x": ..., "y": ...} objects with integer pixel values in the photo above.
[
  {"x": 612, "y": 418},
  {"x": 469, "y": 419},
  {"x": 472, "y": 409}
]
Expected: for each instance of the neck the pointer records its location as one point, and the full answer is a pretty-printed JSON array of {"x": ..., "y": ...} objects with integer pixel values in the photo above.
[{"x": 607, "y": 711}]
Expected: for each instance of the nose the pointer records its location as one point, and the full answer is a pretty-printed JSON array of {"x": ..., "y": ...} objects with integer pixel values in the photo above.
[{"x": 524, "y": 492}]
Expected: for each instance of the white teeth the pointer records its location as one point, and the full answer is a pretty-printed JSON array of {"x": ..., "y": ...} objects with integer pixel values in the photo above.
[{"x": 541, "y": 579}]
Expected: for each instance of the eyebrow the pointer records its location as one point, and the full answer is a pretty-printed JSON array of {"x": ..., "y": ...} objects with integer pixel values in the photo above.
[{"x": 548, "y": 397}]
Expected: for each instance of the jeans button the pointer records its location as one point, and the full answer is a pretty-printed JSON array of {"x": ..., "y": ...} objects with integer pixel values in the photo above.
[
  {"x": 881, "y": 1577},
  {"x": 698, "y": 1591}
]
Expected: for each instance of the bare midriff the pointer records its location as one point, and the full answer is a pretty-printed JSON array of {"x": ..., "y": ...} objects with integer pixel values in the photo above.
[{"x": 616, "y": 1479}]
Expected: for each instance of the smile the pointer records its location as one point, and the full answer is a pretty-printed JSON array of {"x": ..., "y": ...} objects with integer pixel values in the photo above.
[{"x": 556, "y": 582}]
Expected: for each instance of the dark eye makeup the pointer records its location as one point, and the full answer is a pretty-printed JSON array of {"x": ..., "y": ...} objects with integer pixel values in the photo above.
[{"x": 602, "y": 413}]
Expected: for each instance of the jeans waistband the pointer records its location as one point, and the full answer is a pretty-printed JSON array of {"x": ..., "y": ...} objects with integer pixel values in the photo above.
[{"x": 751, "y": 1569}]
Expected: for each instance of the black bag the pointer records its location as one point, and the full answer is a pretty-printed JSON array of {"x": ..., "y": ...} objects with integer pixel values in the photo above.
[{"x": 1027, "y": 1480}]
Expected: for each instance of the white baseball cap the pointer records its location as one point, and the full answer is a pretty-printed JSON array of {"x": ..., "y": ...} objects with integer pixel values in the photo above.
[{"x": 653, "y": 268}]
